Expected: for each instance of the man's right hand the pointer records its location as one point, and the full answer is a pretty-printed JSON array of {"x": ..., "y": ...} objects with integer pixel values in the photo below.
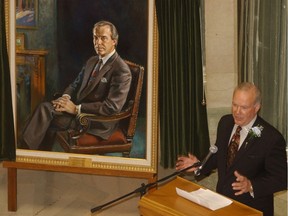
[
  {"x": 56, "y": 103},
  {"x": 185, "y": 161},
  {"x": 64, "y": 104}
]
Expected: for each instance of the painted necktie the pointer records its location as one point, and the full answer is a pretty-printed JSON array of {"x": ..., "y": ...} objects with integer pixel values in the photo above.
[
  {"x": 233, "y": 146},
  {"x": 96, "y": 70}
]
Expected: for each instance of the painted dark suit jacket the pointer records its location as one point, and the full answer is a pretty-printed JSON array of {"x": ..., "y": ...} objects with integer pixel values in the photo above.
[
  {"x": 105, "y": 95},
  {"x": 261, "y": 159}
]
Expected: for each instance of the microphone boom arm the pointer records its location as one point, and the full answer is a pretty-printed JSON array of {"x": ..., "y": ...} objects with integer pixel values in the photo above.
[{"x": 143, "y": 188}]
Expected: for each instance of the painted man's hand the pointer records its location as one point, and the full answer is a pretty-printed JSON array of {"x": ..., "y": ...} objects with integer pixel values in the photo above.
[{"x": 64, "y": 104}]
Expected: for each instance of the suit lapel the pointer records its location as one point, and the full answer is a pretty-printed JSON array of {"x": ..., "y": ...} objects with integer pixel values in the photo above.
[
  {"x": 87, "y": 74},
  {"x": 226, "y": 140},
  {"x": 247, "y": 144},
  {"x": 90, "y": 86}
]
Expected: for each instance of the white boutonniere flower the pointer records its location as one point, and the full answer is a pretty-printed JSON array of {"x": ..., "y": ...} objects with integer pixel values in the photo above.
[{"x": 255, "y": 131}]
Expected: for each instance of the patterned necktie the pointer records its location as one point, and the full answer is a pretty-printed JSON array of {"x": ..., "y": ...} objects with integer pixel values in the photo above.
[
  {"x": 96, "y": 70},
  {"x": 233, "y": 146}
]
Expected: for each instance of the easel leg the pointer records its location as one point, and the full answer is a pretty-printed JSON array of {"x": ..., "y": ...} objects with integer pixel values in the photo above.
[
  {"x": 152, "y": 180},
  {"x": 12, "y": 189}
]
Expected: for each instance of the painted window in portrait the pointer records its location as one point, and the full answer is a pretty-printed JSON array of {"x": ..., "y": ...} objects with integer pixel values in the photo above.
[
  {"x": 26, "y": 13},
  {"x": 55, "y": 54}
]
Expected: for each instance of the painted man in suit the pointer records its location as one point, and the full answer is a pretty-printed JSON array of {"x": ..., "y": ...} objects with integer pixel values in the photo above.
[
  {"x": 259, "y": 168},
  {"x": 101, "y": 88}
]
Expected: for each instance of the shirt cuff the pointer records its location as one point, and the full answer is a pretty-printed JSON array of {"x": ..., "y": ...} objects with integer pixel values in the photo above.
[
  {"x": 78, "y": 109},
  {"x": 66, "y": 95},
  {"x": 251, "y": 192}
]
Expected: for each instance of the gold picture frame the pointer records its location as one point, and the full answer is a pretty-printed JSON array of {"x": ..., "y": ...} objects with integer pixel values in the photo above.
[{"x": 104, "y": 165}]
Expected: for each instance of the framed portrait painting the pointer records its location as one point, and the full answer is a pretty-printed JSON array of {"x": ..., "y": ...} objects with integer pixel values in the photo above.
[{"x": 55, "y": 53}]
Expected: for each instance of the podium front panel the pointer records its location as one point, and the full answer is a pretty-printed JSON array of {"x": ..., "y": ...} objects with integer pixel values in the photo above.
[{"x": 165, "y": 201}]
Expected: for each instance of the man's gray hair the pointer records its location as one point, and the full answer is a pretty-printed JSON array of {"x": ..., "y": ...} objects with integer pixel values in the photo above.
[
  {"x": 114, "y": 32},
  {"x": 247, "y": 86}
]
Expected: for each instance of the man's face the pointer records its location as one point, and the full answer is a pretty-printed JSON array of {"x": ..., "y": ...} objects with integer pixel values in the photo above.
[
  {"x": 244, "y": 108},
  {"x": 103, "y": 43}
]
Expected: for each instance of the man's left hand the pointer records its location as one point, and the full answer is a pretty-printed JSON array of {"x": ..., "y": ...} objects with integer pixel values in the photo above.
[
  {"x": 64, "y": 104},
  {"x": 242, "y": 184}
]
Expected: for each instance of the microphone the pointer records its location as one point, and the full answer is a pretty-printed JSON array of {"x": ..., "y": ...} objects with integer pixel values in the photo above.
[{"x": 212, "y": 150}]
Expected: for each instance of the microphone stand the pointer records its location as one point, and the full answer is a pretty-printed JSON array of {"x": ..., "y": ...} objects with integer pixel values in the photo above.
[{"x": 143, "y": 188}]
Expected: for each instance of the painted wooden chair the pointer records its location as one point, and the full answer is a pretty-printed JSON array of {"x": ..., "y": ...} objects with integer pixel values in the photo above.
[{"x": 122, "y": 139}]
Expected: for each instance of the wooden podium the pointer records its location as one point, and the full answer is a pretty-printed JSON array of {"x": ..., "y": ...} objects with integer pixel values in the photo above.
[{"x": 165, "y": 201}]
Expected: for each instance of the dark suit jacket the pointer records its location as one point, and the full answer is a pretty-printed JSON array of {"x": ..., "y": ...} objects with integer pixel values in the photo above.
[
  {"x": 105, "y": 95},
  {"x": 261, "y": 159}
]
